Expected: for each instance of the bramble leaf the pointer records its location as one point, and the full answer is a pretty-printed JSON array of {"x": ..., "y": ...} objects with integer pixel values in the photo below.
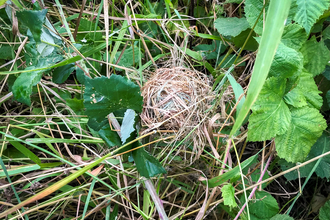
[
  {"x": 262, "y": 207},
  {"x": 228, "y": 194},
  {"x": 295, "y": 97},
  {"x": 325, "y": 211},
  {"x": 265, "y": 206},
  {"x": 287, "y": 61},
  {"x": 307, "y": 85},
  {"x": 110, "y": 136},
  {"x": 231, "y": 26},
  {"x": 321, "y": 146},
  {"x": 271, "y": 116},
  {"x": 252, "y": 10},
  {"x": 147, "y": 165},
  {"x": 309, "y": 11},
  {"x": 306, "y": 127},
  {"x": 22, "y": 88},
  {"x": 33, "y": 20},
  {"x": 62, "y": 73},
  {"x": 105, "y": 95},
  {"x": 316, "y": 56},
  {"x": 294, "y": 36}
]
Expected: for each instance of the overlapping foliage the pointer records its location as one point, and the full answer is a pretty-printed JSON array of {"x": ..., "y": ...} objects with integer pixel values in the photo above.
[{"x": 288, "y": 109}]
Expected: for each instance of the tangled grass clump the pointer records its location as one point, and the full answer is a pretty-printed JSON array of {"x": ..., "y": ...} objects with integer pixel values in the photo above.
[{"x": 178, "y": 100}]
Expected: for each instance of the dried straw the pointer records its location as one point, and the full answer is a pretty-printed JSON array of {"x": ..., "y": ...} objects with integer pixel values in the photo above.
[{"x": 178, "y": 99}]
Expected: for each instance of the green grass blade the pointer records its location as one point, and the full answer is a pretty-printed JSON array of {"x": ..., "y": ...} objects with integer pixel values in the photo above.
[
  {"x": 67, "y": 179},
  {"x": 59, "y": 6},
  {"x": 26, "y": 151},
  {"x": 118, "y": 43},
  {"x": 59, "y": 140},
  {"x": 88, "y": 198},
  {"x": 276, "y": 16},
  {"x": 18, "y": 170}
]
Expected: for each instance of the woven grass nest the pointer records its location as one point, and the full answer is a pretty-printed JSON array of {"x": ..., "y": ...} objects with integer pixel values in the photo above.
[{"x": 177, "y": 99}]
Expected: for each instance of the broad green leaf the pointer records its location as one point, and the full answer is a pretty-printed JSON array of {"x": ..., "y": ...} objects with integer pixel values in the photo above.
[
  {"x": 45, "y": 47},
  {"x": 5, "y": 52},
  {"x": 309, "y": 11},
  {"x": 325, "y": 211},
  {"x": 127, "y": 126},
  {"x": 271, "y": 116},
  {"x": 231, "y": 174},
  {"x": 252, "y": 10},
  {"x": 147, "y": 165},
  {"x": 22, "y": 88},
  {"x": 228, "y": 195},
  {"x": 326, "y": 33},
  {"x": 292, "y": 12},
  {"x": 287, "y": 61},
  {"x": 77, "y": 105},
  {"x": 265, "y": 205},
  {"x": 62, "y": 73},
  {"x": 321, "y": 146},
  {"x": 326, "y": 72},
  {"x": 32, "y": 20},
  {"x": 105, "y": 95},
  {"x": 110, "y": 136},
  {"x": 316, "y": 56},
  {"x": 307, "y": 85},
  {"x": 210, "y": 51},
  {"x": 327, "y": 96},
  {"x": 295, "y": 97},
  {"x": 306, "y": 127},
  {"x": 281, "y": 217},
  {"x": 26, "y": 151},
  {"x": 232, "y": 26},
  {"x": 294, "y": 36},
  {"x": 240, "y": 40},
  {"x": 34, "y": 58},
  {"x": 80, "y": 74}
]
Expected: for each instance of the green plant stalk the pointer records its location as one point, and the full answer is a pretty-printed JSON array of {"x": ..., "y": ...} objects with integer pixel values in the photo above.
[
  {"x": 271, "y": 37},
  {"x": 88, "y": 198},
  {"x": 66, "y": 180}
]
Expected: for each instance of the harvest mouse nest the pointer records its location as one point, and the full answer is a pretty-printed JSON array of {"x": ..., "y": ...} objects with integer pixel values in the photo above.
[{"x": 178, "y": 100}]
